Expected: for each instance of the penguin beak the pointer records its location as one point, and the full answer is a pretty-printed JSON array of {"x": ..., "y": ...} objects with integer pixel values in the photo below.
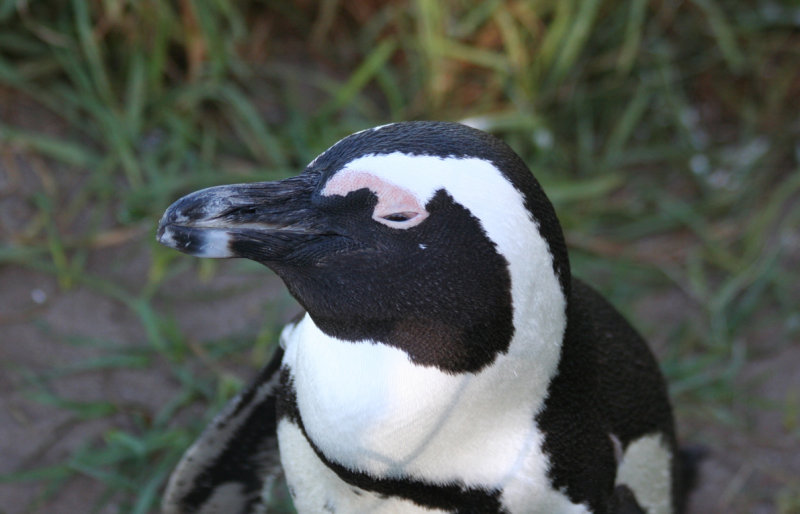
[{"x": 263, "y": 221}]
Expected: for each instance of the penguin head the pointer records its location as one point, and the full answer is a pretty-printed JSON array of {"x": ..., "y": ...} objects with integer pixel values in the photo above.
[{"x": 432, "y": 237}]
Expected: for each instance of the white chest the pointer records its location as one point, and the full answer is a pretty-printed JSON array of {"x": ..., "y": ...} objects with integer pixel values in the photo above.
[{"x": 367, "y": 407}]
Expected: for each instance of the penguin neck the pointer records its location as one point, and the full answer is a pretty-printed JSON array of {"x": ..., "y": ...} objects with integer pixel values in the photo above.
[{"x": 366, "y": 405}]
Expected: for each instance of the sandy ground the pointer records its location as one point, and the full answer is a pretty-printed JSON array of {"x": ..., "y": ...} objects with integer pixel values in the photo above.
[{"x": 33, "y": 340}]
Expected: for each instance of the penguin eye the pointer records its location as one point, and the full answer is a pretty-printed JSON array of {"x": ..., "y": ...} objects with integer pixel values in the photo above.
[{"x": 400, "y": 216}]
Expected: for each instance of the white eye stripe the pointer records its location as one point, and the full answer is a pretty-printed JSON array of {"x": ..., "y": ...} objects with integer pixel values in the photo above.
[
  {"x": 473, "y": 183},
  {"x": 397, "y": 207}
]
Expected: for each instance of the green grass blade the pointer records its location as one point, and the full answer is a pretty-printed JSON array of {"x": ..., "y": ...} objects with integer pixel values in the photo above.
[
  {"x": 261, "y": 141},
  {"x": 723, "y": 33},
  {"x": 626, "y": 125},
  {"x": 135, "y": 95},
  {"x": 575, "y": 39},
  {"x": 368, "y": 69},
  {"x": 91, "y": 51},
  {"x": 68, "y": 152},
  {"x": 634, "y": 30}
]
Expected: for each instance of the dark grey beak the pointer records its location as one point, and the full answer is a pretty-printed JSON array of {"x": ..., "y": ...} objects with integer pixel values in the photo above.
[{"x": 262, "y": 221}]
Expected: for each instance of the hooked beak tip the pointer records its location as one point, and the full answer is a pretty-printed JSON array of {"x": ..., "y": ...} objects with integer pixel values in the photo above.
[
  {"x": 175, "y": 230},
  {"x": 200, "y": 242}
]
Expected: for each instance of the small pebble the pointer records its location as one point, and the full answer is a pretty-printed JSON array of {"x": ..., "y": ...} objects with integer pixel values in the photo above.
[{"x": 38, "y": 296}]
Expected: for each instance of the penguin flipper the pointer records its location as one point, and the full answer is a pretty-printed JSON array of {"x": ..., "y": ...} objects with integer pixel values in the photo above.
[{"x": 236, "y": 457}]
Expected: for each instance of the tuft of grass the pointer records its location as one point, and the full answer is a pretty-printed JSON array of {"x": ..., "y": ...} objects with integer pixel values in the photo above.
[{"x": 661, "y": 131}]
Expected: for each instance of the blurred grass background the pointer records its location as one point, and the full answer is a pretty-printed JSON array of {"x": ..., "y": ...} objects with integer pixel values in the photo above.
[{"x": 666, "y": 133}]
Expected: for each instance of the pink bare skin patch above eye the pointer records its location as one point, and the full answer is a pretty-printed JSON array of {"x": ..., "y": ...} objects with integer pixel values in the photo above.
[{"x": 396, "y": 208}]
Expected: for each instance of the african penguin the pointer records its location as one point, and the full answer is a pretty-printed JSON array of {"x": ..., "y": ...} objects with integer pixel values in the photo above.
[{"x": 447, "y": 360}]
